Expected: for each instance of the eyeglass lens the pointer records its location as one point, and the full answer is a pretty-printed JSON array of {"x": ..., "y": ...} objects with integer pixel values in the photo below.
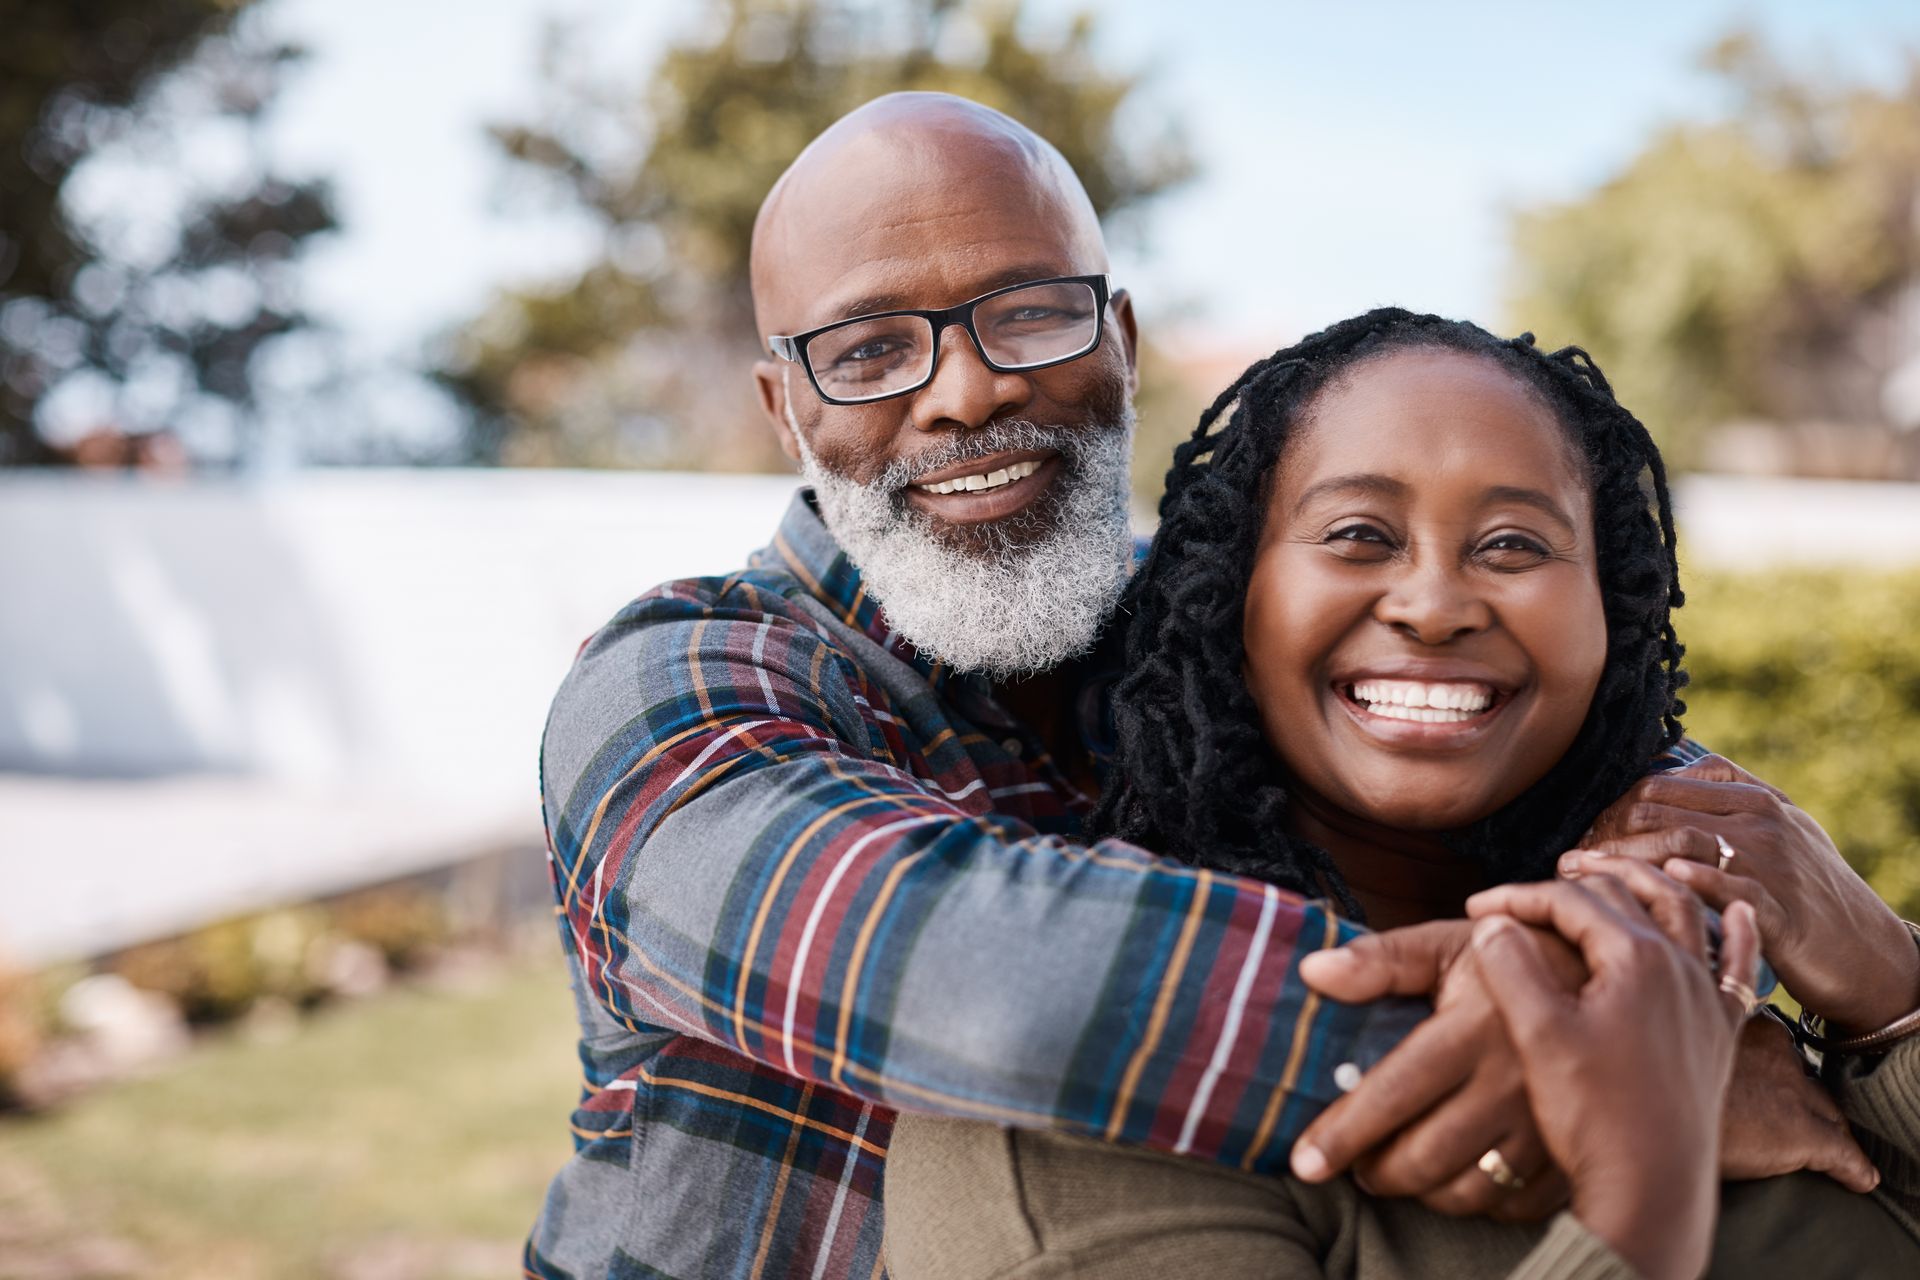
[{"x": 1035, "y": 325}]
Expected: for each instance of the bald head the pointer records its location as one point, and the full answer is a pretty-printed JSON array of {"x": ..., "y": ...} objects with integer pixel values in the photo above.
[{"x": 907, "y": 170}]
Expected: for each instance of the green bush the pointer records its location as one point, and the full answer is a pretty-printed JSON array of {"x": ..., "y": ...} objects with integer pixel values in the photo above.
[
  {"x": 1811, "y": 679},
  {"x": 220, "y": 971}
]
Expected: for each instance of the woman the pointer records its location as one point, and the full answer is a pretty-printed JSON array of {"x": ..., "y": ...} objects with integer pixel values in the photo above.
[{"x": 1404, "y": 632}]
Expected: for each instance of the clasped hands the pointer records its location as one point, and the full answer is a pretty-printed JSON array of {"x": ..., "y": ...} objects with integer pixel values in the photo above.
[{"x": 1420, "y": 1123}]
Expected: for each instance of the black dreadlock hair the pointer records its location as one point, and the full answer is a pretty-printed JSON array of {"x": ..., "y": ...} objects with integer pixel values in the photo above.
[{"x": 1196, "y": 779}]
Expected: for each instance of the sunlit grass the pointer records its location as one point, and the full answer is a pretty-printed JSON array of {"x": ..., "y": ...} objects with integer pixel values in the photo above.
[{"x": 405, "y": 1137}]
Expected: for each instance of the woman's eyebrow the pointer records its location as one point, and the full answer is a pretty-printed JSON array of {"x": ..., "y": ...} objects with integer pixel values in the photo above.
[
  {"x": 1366, "y": 485},
  {"x": 1534, "y": 498}
]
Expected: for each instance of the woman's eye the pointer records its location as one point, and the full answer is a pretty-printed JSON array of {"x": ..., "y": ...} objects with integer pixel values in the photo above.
[
  {"x": 1359, "y": 538},
  {"x": 1514, "y": 546}
]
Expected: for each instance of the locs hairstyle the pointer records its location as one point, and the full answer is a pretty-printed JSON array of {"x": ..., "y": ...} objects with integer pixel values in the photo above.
[{"x": 1195, "y": 778}]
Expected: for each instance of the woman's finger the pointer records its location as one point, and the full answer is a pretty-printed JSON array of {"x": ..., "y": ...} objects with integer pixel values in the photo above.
[
  {"x": 1720, "y": 769},
  {"x": 1529, "y": 1001},
  {"x": 1692, "y": 841},
  {"x": 1673, "y": 906},
  {"x": 1701, "y": 795},
  {"x": 1721, "y": 889},
  {"x": 1739, "y": 959},
  {"x": 1604, "y": 923}
]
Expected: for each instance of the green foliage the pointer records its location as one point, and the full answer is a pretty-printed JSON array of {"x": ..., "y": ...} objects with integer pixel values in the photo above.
[
  {"x": 1812, "y": 680},
  {"x": 176, "y": 292},
  {"x": 1749, "y": 268},
  {"x": 642, "y": 360},
  {"x": 219, "y": 972}
]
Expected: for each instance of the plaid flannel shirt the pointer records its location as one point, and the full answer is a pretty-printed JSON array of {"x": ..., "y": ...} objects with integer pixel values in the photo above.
[{"x": 807, "y": 877}]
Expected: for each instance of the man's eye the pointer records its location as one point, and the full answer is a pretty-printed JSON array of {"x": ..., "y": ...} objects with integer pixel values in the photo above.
[{"x": 877, "y": 349}]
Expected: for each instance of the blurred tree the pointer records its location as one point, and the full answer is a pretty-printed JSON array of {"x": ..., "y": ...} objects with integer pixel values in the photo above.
[
  {"x": 641, "y": 359},
  {"x": 1762, "y": 267},
  {"x": 146, "y": 250}
]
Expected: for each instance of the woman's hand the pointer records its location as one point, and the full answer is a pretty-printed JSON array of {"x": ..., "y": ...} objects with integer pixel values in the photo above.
[
  {"x": 1842, "y": 952},
  {"x": 1777, "y": 1119},
  {"x": 1627, "y": 1075}
]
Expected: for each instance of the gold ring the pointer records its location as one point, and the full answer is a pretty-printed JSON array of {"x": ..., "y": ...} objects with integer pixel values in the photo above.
[
  {"x": 1495, "y": 1166},
  {"x": 1726, "y": 852},
  {"x": 1748, "y": 998}
]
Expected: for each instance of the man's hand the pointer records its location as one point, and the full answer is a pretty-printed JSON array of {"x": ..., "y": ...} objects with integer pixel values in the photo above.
[
  {"x": 1779, "y": 1120},
  {"x": 1419, "y": 1122},
  {"x": 1840, "y": 950}
]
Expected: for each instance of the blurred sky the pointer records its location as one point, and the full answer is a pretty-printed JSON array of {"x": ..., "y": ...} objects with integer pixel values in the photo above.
[{"x": 1352, "y": 154}]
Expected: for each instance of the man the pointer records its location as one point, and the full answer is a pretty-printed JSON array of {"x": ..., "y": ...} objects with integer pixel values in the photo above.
[{"x": 814, "y": 825}]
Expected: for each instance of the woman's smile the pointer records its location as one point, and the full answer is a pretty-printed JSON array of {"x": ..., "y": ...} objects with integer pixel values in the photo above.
[{"x": 1416, "y": 706}]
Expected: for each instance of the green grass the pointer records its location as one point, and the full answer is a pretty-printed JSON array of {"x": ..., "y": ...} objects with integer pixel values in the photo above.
[{"x": 406, "y": 1137}]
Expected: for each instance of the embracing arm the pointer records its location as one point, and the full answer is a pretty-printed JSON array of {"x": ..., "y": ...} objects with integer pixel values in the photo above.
[{"x": 740, "y": 858}]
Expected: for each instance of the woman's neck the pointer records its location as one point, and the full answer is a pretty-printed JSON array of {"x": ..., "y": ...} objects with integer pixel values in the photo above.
[{"x": 1399, "y": 877}]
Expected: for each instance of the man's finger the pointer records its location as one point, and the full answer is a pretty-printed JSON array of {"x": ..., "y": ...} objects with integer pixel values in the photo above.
[
  {"x": 1424, "y": 1068},
  {"x": 1437, "y": 1157},
  {"x": 1471, "y": 1193},
  {"x": 1399, "y": 962},
  {"x": 1838, "y": 1154}
]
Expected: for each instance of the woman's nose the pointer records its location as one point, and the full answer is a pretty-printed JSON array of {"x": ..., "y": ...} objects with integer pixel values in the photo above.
[{"x": 1434, "y": 604}]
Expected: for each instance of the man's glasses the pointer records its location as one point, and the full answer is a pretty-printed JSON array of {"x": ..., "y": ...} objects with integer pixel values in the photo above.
[{"x": 1016, "y": 330}]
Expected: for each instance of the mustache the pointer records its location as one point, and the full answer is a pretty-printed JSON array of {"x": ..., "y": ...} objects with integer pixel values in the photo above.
[{"x": 1002, "y": 436}]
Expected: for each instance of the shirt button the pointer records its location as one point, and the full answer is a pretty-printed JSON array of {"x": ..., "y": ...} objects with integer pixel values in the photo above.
[
  {"x": 1346, "y": 1076},
  {"x": 1012, "y": 747}
]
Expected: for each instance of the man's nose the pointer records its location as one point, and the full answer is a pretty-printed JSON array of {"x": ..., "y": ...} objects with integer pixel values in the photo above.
[
  {"x": 1434, "y": 603},
  {"x": 964, "y": 392}
]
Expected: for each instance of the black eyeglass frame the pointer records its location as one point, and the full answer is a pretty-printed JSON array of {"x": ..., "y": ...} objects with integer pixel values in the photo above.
[{"x": 793, "y": 347}]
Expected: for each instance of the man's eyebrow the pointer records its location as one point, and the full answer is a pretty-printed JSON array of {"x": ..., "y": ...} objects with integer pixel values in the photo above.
[
  {"x": 1360, "y": 485},
  {"x": 868, "y": 304}
]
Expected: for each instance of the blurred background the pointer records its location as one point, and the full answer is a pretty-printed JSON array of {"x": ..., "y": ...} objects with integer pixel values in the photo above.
[{"x": 357, "y": 360}]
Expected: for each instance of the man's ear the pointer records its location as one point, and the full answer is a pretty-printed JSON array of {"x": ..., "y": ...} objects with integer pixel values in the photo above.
[
  {"x": 770, "y": 380},
  {"x": 1129, "y": 337}
]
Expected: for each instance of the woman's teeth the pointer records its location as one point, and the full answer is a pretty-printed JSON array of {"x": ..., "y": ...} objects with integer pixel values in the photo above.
[
  {"x": 1427, "y": 703},
  {"x": 985, "y": 480}
]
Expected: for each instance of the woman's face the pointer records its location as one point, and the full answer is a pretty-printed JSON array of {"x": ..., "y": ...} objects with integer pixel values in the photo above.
[{"x": 1424, "y": 628}]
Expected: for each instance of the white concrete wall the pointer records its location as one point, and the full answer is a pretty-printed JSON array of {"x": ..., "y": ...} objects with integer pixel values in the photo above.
[
  {"x": 215, "y": 695},
  {"x": 240, "y": 686}
]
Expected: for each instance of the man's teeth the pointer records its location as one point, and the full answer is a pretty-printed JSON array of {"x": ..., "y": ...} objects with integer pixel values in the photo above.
[
  {"x": 985, "y": 480},
  {"x": 1427, "y": 703}
]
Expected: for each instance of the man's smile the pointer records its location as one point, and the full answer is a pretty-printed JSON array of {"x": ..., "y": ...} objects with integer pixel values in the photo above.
[{"x": 980, "y": 490}]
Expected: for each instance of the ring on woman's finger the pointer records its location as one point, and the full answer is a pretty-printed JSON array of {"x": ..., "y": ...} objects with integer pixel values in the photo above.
[
  {"x": 1726, "y": 852},
  {"x": 1748, "y": 998},
  {"x": 1495, "y": 1166}
]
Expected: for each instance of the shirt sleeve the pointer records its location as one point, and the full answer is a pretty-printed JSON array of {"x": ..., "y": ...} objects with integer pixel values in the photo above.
[{"x": 739, "y": 855}]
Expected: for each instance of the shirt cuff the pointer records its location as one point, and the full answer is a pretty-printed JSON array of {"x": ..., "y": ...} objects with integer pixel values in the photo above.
[{"x": 1571, "y": 1252}]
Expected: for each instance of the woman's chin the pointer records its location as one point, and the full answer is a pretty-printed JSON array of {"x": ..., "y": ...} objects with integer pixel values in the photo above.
[{"x": 1428, "y": 812}]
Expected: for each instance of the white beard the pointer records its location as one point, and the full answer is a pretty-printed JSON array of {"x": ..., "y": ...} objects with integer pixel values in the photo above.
[{"x": 1034, "y": 590}]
